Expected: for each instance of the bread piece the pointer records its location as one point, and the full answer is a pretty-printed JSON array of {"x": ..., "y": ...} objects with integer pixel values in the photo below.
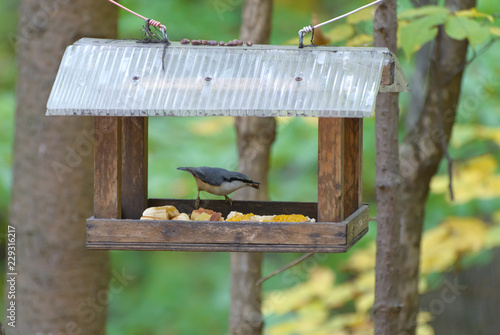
[
  {"x": 160, "y": 213},
  {"x": 182, "y": 216}
]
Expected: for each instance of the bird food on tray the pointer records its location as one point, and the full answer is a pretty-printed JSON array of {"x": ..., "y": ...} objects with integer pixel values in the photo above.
[
  {"x": 202, "y": 214},
  {"x": 237, "y": 216}
]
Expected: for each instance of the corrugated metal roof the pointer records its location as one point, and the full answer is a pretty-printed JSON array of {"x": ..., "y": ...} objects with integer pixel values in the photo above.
[{"x": 126, "y": 78}]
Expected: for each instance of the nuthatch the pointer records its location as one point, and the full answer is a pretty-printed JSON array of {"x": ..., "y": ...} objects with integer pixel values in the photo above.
[{"x": 218, "y": 181}]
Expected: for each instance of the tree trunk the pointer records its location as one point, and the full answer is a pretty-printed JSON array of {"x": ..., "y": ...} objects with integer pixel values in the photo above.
[
  {"x": 421, "y": 152},
  {"x": 255, "y": 136},
  {"x": 388, "y": 182},
  {"x": 61, "y": 287}
]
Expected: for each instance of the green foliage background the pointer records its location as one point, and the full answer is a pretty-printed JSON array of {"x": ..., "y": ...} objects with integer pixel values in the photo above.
[{"x": 188, "y": 293}]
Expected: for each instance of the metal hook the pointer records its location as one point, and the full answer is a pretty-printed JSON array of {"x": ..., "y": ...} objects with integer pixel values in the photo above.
[
  {"x": 164, "y": 32},
  {"x": 147, "y": 30},
  {"x": 301, "y": 38},
  {"x": 302, "y": 33}
]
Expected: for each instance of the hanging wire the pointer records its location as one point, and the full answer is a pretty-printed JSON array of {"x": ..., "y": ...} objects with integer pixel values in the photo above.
[
  {"x": 150, "y": 36},
  {"x": 149, "y": 22},
  {"x": 311, "y": 28}
]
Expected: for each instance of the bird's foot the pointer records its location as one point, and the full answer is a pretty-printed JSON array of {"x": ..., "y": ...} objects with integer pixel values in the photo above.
[
  {"x": 228, "y": 199},
  {"x": 197, "y": 203}
]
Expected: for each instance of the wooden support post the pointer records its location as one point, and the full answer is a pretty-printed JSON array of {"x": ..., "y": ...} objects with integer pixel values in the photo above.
[
  {"x": 330, "y": 169},
  {"x": 107, "y": 168},
  {"x": 353, "y": 152},
  {"x": 134, "y": 166}
]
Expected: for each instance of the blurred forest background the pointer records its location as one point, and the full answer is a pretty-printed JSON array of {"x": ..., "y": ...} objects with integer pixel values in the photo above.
[{"x": 188, "y": 293}]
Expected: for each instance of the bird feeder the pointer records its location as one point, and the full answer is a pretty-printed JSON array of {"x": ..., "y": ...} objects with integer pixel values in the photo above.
[{"x": 123, "y": 83}]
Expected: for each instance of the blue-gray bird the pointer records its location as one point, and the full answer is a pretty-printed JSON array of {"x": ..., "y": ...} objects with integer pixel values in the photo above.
[{"x": 218, "y": 181}]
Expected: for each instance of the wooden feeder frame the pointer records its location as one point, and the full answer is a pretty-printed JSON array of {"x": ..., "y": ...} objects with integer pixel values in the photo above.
[
  {"x": 120, "y": 197},
  {"x": 121, "y": 141}
]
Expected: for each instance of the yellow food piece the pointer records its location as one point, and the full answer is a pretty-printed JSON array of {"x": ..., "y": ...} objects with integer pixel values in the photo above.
[
  {"x": 288, "y": 218},
  {"x": 243, "y": 217},
  {"x": 269, "y": 218},
  {"x": 203, "y": 217}
]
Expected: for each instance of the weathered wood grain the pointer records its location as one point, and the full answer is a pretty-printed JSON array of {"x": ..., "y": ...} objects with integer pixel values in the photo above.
[
  {"x": 220, "y": 247},
  {"x": 134, "y": 166},
  {"x": 107, "y": 167},
  {"x": 158, "y": 231},
  {"x": 388, "y": 74},
  {"x": 353, "y": 150},
  {"x": 357, "y": 223},
  {"x": 257, "y": 207},
  {"x": 330, "y": 169}
]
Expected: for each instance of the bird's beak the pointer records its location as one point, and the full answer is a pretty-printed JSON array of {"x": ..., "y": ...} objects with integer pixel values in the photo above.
[{"x": 255, "y": 185}]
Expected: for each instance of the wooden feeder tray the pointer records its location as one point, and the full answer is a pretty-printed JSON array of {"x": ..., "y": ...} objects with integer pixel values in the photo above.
[
  {"x": 230, "y": 236},
  {"x": 122, "y": 83}
]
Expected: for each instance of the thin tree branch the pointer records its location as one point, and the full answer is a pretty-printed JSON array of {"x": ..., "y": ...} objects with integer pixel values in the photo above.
[
  {"x": 284, "y": 268},
  {"x": 476, "y": 54}
]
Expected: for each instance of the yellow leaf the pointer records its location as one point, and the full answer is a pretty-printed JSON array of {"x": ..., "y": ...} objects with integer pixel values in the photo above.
[
  {"x": 345, "y": 320},
  {"x": 474, "y": 13},
  {"x": 425, "y": 330},
  {"x": 315, "y": 312},
  {"x": 362, "y": 260},
  {"x": 489, "y": 133},
  {"x": 339, "y": 295},
  {"x": 495, "y": 31},
  {"x": 283, "y": 328},
  {"x": 294, "y": 41},
  {"x": 320, "y": 280},
  {"x": 475, "y": 179},
  {"x": 438, "y": 259},
  {"x": 434, "y": 255},
  {"x": 480, "y": 166},
  {"x": 463, "y": 134},
  {"x": 469, "y": 233},
  {"x": 439, "y": 184},
  {"x": 424, "y": 317},
  {"x": 340, "y": 32},
  {"x": 364, "y": 302},
  {"x": 456, "y": 236},
  {"x": 423, "y": 285},
  {"x": 321, "y": 277},
  {"x": 496, "y": 217},
  {"x": 282, "y": 302},
  {"x": 211, "y": 126},
  {"x": 360, "y": 40},
  {"x": 363, "y": 15},
  {"x": 493, "y": 238},
  {"x": 365, "y": 281}
]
